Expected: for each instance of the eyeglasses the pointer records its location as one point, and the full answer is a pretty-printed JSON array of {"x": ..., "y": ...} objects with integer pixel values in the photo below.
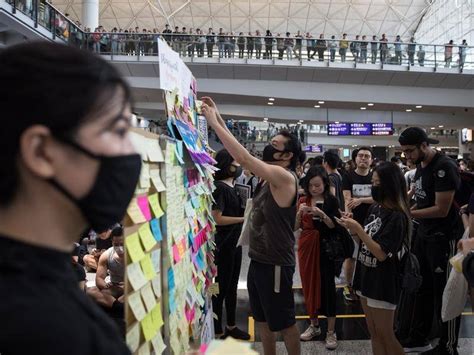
[{"x": 364, "y": 156}]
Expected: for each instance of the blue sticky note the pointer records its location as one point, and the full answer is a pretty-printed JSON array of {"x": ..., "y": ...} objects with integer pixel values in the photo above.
[
  {"x": 171, "y": 284},
  {"x": 195, "y": 202},
  {"x": 179, "y": 145},
  {"x": 155, "y": 228},
  {"x": 170, "y": 128},
  {"x": 172, "y": 301}
]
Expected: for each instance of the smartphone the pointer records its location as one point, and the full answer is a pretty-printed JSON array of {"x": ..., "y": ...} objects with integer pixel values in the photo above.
[{"x": 320, "y": 206}]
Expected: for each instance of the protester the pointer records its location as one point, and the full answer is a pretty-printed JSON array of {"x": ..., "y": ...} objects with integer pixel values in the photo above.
[
  {"x": 316, "y": 213},
  {"x": 63, "y": 159},
  {"x": 272, "y": 242},
  {"x": 376, "y": 278},
  {"x": 436, "y": 181}
]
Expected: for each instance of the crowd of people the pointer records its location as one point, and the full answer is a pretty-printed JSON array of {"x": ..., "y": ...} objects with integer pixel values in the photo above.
[
  {"x": 191, "y": 43},
  {"x": 364, "y": 216}
]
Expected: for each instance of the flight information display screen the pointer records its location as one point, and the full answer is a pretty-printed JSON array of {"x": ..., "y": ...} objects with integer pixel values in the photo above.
[{"x": 360, "y": 129}]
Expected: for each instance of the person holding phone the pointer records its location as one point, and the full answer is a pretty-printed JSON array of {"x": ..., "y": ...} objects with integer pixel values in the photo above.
[
  {"x": 315, "y": 217},
  {"x": 376, "y": 278}
]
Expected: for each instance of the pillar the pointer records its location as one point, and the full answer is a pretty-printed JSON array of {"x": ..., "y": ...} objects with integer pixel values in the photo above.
[{"x": 90, "y": 14}]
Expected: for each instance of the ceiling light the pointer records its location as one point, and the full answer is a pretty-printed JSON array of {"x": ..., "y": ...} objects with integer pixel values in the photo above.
[
  {"x": 418, "y": 106},
  {"x": 370, "y": 104},
  {"x": 440, "y": 126},
  {"x": 337, "y": 122},
  {"x": 408, "y": 110},
  {"x": 433, "y": 127},
  {"x": 363, "y": 108},
  {"x": 321, "y": 102},
  {"x": 271, "y": 99},
  {"x": 270, "y": 103},
  {"x": 300, "y": 121},
  {"x": 265, "y": 118},
  {"x": 317, "y": 106}
]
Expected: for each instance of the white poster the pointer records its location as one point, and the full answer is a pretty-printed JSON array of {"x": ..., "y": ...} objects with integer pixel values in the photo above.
[{"x": 173, "y": 72}]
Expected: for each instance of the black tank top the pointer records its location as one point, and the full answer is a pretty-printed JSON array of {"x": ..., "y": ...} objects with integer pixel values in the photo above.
[{"x": 272, "y": 240}]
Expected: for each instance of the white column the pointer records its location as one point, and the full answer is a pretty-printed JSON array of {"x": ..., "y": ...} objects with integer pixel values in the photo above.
[{"x": 90, "y": 14}]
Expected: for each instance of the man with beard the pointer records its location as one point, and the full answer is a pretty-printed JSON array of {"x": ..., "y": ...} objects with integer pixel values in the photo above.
[{"x": 436, "y": 180}]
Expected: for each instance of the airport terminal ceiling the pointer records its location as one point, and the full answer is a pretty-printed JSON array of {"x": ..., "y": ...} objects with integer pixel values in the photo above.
[{"x": 315, "y": 16}]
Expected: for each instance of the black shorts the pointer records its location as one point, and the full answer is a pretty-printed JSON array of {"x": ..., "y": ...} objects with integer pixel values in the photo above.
[{"x": 277, "y": 309}]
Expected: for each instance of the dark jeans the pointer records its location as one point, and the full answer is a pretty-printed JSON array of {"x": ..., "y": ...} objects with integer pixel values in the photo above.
[
  {"x": 258, "y": 50},
  {"x": 433, "y": 252},
  {"x": 280, "y": 53},
  {"x": 321, "y": 54},
  {"x": 228, "y": 261},
  {"x": 268, "y": 51},
  {"x": 411, "y": 58},
  {"x": 210, "y": 47},
  {"x": 250, "y": 51},
  {"x": 241, "y": 50},
  {"x": 374, "y": 56}
]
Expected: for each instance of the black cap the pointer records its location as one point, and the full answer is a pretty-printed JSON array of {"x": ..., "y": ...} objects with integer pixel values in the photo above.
[{"x": 414, "y": 136}]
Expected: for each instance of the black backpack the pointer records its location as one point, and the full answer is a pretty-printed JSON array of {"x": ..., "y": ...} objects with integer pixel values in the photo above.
[{"x": 410, "y": 275}]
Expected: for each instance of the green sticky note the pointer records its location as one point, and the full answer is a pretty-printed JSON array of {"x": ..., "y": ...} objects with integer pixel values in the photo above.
[
  {"x": 147, "y": 237},
  {"x": 134, "y": 248},
  {"x": 157, "y": 317},
  {"x": 147, "y": 327},
  {"x": 155, "y": 205},
  {"x": 147, "y": 267}
]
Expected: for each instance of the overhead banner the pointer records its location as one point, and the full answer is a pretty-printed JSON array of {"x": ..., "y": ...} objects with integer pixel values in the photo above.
[{"x": 174, "y": 74}]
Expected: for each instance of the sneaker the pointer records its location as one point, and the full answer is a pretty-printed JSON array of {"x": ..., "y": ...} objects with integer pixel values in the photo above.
[
  {"x": 412, "y": 346},
  {"x": 331, "y": 341},
  {"x": 349, "y": 294},
  {"x": 236, "y": 333},
  {"x": 311, "y": 333}
]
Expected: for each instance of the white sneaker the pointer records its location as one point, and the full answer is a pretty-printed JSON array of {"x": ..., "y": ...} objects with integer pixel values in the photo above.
[
  {"x": 310, "y": 333},
  {"x": 331, "y": 341}
]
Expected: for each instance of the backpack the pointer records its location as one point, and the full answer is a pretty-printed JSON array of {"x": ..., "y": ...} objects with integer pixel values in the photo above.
[{"x": 410, "y": 275}]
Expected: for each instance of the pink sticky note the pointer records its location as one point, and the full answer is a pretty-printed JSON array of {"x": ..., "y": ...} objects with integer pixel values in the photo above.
[
  {"x": 176, "y": 254},
  {"x": 142, "y": 202}
]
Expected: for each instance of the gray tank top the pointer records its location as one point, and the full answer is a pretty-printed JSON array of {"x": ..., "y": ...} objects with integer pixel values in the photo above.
[
  {"x": 116, "y": 269},
  {"x": 272, "y": 240}
]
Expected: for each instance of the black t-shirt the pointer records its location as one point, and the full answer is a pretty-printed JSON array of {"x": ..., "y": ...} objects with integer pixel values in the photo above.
[
  {"x": 440, "y": 175},
  {"x": 380, "y": 279},
  {"x": 336, "y": 181},
  {"x": 43, "y": 308},
  {"x": 359, "y": 186},
  {"x": 228, "y": 202},
  {"x": 470, "y": 207},
  {"x": 331, "y": 209}
]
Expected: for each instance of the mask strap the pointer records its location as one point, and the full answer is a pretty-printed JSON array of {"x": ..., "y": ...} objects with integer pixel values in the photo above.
[
  {"x": 78, "y": 147},
  {"x": 61, "y": 189}
]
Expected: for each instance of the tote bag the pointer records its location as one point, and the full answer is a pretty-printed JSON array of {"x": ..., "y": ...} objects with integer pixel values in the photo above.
[{"x": 245, "y": 235}]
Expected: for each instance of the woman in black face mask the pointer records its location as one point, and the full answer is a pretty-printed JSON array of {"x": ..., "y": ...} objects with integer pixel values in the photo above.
[
  {"x": 228, "y": 213},
  {"x": 67, "y": 164},
  {"x": 376, "y": 278}
]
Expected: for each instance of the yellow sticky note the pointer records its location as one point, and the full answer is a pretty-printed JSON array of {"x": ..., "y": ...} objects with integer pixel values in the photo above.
[
  {"x": 158, "y": 344},
  {"x": 147, "y": 237},
  {"x": 134, "y": 248},
  {"x": 155, "y": 205},
  {"x": 144, "y": 349},
  {"x": 148, "y": 297},
  {"x": 147, "y": 327},
  {"x": 157, "y": 317},
  {"x": 147, "y": 267},
  {"x": 135, "y": 213},
  {"x": 136, "y": 305}
]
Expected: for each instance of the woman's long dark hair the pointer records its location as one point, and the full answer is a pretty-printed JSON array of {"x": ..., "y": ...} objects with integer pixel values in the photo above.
[
  {"x": 393, "y": 190},
  {"x": 313, "y": 172}
]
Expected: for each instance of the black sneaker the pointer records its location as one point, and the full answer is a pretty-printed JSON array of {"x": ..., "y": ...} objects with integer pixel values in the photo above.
[
  {"x": 236, "y": 333},
  {"x": 412, "y": 346}
]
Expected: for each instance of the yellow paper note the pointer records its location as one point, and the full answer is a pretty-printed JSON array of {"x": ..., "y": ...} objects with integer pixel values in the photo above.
[
  {"x": 155, "y": 205},
  {"x": 136, "y": 305},
  {"x": 134, "y": 248},
  {"x": 147, "y": 327},
  {"x": 147, "y": 267},
  {"x": 156, "y": 283},
  {"x": 133, "y": 337},
  {"x": 158, "y": 344},
  {"x": 148, "y": 297},
  {"x": 156, "y": 179},
  {"x": 139, "y": 143},
  {"x": 135, "y": 213},
  {"x": 135, "y": 276},
  {"x": 145, "y": 176},
  {"x": 154, "y": 150},
  {"x": 157, "y": 317},
  {"x": 147, "y": 237},
  {"x": 144, "y": 349}
]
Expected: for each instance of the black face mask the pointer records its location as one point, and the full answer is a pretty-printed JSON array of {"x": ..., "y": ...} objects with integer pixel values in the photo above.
[
  {"x": 238, "y": 172},
  {"x": 376, "y": 193},
  {"x": 113, "y": 189},
  {"x": 269, "y": 152}
]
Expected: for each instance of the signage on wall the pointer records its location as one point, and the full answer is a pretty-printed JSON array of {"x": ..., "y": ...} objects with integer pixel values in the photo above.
[
  {"x": 313, "y": 148},
  {"x": 360, "y": 129}
]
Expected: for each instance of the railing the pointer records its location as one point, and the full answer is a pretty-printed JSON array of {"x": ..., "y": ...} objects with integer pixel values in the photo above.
[
  {"x": 47, "y": 16},
  {"x": 277, "y": 48},
  {"x": 283, "y": 48}
]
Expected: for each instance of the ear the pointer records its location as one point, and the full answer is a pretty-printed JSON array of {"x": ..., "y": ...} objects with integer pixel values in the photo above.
[
  {"x": 287, "y": 156},
  {"x": 36, "y": 152}
]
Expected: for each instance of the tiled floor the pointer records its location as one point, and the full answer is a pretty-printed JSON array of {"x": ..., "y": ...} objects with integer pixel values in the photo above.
[{"x": 350, "y": 326}]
